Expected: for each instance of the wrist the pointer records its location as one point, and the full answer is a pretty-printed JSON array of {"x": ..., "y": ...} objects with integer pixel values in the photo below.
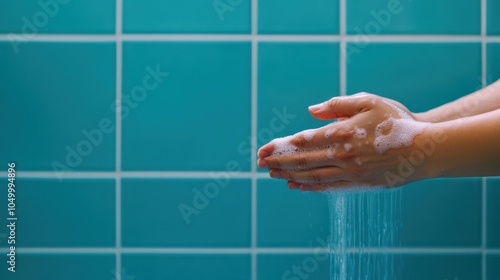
[{"x": 427, "y": 152}]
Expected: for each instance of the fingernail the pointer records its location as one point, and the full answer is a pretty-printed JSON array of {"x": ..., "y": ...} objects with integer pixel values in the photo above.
[
  {"x": 275, "y": 174},
  {"x": 315, "y": 108},
  {"x": 262, "y": 164}
]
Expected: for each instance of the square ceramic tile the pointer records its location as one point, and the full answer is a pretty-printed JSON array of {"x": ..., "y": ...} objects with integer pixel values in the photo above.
[
  {"x": 492, "y": 19},
  {"x": 71, "y": 213},
  {"x": 158, "y": 16},
  {"x": 186, "y": 212},
  {"x": 493, "y": 266},
  {"x": 297, "y": 17},
  {"x": 413, "y": 17},
  {"x": 422, "y": 76},
  {"x": 296, "y": 219},
  {"x": 188, "y": 266},
  {"x": 441, "y": 266},
  {"x": 56, "y": 106},
  {"x": 442, "y": 213},
  {"x": 492, "y": 210},
  {"x": 293, "y": 266},
  {"x": 493, "y": 62},
  {"x": 186, "y": 105},
  {"x": 44, "y": 266},
  {"x": 57, "y": 16}
]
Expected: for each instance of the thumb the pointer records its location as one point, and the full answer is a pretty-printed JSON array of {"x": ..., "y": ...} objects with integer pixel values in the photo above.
[{"x": 340, "y": 107}]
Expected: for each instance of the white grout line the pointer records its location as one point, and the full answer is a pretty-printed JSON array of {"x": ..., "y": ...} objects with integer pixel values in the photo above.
[
  {"x": 253, "y": 154},
  {"x": 342, "y": 48},
  {"x": 250, "y": 37},
  {"x": 118, "y": 158},
  {"x": 144, "y": 175},
  {"x": 283, "y": 250}
]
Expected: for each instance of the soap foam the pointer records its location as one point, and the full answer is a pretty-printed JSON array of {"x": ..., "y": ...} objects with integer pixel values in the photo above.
[
  {"x": 329, "y": 132},
  {"x": 282, "y": 146},
  {"x": 329, "y": 153},
  {"x": 347, "y": 147},
  {"x": 397, "y": 133},
  {"x": 401, "y": 133},
  {"x": 360, "y": 133},
  {"x": 309, "y": 134}
]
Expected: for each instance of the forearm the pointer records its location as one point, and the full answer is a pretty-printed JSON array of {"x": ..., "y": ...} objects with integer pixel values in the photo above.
[
  {"x": 484, "y": 100},
  {"x": 471, "y": 147}
]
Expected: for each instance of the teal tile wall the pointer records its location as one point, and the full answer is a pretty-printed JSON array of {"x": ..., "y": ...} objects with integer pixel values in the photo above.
[
  {"x": 493, "y": 266},
  {"x": 442, "y": 213},
  {"x": 413, "y": 17},
  {"x": 63, "y": 266},
  {"x": 204, "y": 86},
  {"x": 493, "y": 208},
  {"x": 493, "y": 62},
  {"x": 188, "y": 266},
  {"x": 281, "y": 266},
  {"x": 186, "y": 213},
  {"x": 57, "y": 16},
  {"x": 134, "y": 127},
  {"x": 403, "y": 64},
  {"x": 492, "y": 20},
  {"x": 157, "y": 16},
  {"x": 302, "y": 228},
  {"x": 46, "y": 204},
  {"x": 62, "y": 94},
  {"x": 312, "y": 17},
  {"x": 442, "y": 266}
]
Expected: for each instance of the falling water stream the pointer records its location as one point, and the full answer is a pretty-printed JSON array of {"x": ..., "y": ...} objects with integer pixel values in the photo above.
[{"x": 364, "y": 226}]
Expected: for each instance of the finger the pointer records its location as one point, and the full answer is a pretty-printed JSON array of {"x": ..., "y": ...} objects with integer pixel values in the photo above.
[
  {"x": 342, "y": 106},
  {"x": 278, "y": 144},
  {"x": 323, "y": 136},
  {"x": 315, "y": 176},
  {"x": 331, "y": 134},
  {"x": 293, "y": 185},
  {"x": 303, "y": 160},
  {"x": 266, "y": 150}
]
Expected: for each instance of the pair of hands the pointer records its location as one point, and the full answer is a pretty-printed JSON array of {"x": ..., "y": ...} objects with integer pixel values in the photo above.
[{"x": 347, "y": 152}]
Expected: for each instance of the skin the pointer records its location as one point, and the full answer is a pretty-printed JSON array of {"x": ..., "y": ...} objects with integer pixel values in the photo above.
[{"x": 460, "y": 139}]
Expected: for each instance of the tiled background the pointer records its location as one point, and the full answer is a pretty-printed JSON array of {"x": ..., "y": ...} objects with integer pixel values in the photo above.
[{"x": 203, "y": 84}]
